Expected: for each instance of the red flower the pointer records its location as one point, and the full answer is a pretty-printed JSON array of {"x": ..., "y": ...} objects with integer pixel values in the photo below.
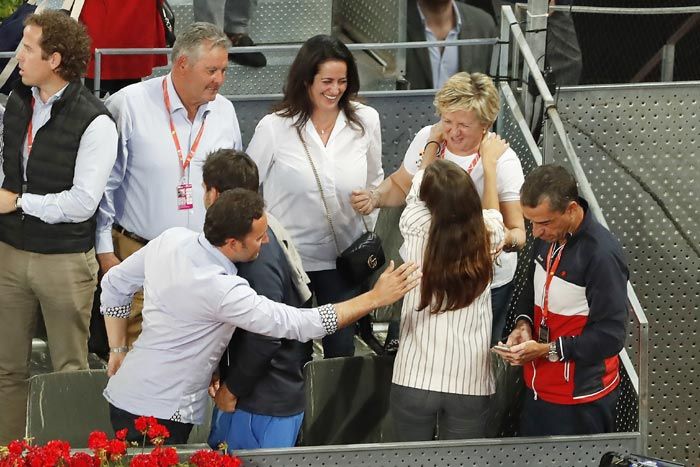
[
  {"x": 142, "y": 424},
  {"x": 143, "y": 460},
  {"x": 207, "y": 458},
  {"x": 17, "y": 447},
  {"x": 97, "y": 440},
  {"x": 116, "y": 448},
  {"x": 166, "y": 457},
  {"x": 157, "y": 433},
  {"x": 81, "y": 459},
  {"x": 121, "y": 434}
]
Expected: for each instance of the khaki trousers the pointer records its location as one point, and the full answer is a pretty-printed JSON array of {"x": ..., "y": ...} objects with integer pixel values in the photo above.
[
  {"x": 62, "y": 287},
  {"x": 123, "y": 248}
]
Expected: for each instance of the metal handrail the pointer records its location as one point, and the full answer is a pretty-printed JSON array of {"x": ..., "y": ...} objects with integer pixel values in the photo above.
[
  {"x": 611, "y": 10},
  {"x": 640, "y": 380},
  {"x": 286, "y": 47}
]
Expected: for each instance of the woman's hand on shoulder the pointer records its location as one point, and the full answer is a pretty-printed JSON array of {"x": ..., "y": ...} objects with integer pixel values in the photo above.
[{"x": 492, "y": 147}]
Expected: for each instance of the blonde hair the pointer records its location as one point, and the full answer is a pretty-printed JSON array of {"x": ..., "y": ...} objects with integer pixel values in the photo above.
[{"x": 473, "y": 92}]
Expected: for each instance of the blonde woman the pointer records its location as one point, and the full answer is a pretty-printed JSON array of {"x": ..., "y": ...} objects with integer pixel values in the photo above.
[{"x": 467, "y": 105}]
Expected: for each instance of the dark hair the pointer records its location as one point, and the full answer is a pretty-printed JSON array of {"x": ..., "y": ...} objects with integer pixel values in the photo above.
[
  {"x": 552, "y": 182},
  {"x": 315, "y": 51},
  {"x": 226, "y": 169},
  {"x": 61, "y": 33},
  {"x": 457, "y": 263},
  {"x": 232, "y": 215}
]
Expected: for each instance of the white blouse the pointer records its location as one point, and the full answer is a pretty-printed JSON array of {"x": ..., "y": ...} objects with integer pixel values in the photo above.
[
  {"x": 509, "y": 179},
  {"x": 350, "y": 161},
  {"x": 444, "y": 352}
]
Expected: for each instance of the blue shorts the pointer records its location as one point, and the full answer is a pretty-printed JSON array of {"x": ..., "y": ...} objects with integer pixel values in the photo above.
[{"x": 245, "y": 430}]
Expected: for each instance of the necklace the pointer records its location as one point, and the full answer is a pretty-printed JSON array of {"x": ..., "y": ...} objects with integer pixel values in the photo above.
[
  {"x": 328, "y": 128},
  {"x": 323, "y": 130}
]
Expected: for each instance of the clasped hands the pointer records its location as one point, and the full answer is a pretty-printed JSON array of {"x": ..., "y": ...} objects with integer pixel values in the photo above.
[{"x": 523, "y": 348}]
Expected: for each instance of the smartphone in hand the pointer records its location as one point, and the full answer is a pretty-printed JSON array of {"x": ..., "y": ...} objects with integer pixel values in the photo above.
[{"x": 501, "y": 347}]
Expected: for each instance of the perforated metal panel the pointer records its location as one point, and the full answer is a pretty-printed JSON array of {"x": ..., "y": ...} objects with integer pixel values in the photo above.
[
  {"x": 509, "y": 452},
  {"x": 639, "y": 148},
  {"x": 375, "y": 21},
  {"x": 277, "y": 21}
]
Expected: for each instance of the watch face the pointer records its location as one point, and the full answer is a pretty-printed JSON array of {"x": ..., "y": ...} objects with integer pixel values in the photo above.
[{"x": 553, "y": 357}]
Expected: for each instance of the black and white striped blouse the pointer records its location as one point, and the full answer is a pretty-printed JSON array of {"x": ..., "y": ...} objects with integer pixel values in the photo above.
[{"x": 445, "y": 352}]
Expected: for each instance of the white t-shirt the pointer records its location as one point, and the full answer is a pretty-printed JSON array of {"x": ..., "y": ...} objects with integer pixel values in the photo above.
[{"x": 509, "y": 179}]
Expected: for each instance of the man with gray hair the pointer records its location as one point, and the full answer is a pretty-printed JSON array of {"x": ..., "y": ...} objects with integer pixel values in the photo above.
[{"x": 167, "y": 126}]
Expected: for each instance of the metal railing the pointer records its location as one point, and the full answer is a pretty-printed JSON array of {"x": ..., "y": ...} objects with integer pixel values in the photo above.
[
  {"x": 665, "y": 56},
  {"x": 510, "y": 28},
  {"x": 99, "y": 53}
]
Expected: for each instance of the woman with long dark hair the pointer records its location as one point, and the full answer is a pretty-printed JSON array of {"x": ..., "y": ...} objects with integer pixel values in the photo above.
[
  {"x": 467, "y": 105},
  {"x": 318, "y": 146},
  {"x": 442, "y": 372}
]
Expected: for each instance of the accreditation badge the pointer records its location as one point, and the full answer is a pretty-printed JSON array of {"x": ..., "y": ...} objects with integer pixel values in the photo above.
[{"x": 184, "y": 196}]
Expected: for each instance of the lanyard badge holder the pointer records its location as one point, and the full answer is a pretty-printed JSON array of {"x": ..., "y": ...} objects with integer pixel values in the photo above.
[
  {"x": 552, "y": 265},
  {"x": 184, "y": 188}
]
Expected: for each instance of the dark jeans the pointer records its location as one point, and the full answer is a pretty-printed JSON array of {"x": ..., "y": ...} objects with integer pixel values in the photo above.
[
  {"x": 179, "y": 432},
  {"x": 500, "y": 296},
  {"x": 417, "y": 412},
  {"x": 540, "y": 418},
  {"x": 330, "y": 287}
]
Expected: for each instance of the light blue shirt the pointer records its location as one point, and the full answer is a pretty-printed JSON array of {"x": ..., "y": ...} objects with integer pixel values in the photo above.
[
  {"x": 445, "y": 64},
  {"x": 193, "y": 301},
  {"x": 93, "y": 163},
  {"x": 141, "y": 193}
]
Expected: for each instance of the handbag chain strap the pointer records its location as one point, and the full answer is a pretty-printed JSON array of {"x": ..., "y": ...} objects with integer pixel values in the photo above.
[{"x": 320, "y": 189}]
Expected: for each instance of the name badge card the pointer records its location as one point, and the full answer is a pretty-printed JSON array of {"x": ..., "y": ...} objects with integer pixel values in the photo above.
[{"x": 184, "y": 196}]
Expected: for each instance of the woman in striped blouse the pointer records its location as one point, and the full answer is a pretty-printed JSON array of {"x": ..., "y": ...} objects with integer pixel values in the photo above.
[{"x": 442, "y": 373}]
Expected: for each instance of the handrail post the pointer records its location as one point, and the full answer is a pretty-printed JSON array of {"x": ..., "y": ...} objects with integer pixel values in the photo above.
[
  {"x": 98, "y": 72},
  {"x": 536, "y": 37}
]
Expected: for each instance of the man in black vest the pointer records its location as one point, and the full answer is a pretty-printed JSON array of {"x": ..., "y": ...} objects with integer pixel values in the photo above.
[{"x": 60, "y": 144}]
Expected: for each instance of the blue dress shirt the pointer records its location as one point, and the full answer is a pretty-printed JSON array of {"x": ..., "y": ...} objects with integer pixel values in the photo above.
[
  {"x": 141, "y": 193},
  {"x": 443, "y": 63}
]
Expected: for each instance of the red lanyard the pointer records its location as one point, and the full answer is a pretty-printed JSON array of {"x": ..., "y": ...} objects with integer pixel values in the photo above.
[
  {"x": 193, "y": 149},
  {"x": 472, "y": 164},
  {"x": 549, "y": 275},
  {"x": 30, "y": 136}
]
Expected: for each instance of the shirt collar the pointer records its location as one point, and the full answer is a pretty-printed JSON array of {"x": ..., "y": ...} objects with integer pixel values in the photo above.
[
  {"x": 228, "y": 265},
  {"x": 37, "y": 95},
  {"x": 458, "y": 25},
  {"x": 175, "y": 102}
]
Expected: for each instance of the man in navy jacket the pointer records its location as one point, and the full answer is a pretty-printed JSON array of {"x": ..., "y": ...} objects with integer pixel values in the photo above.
[
  {"x": 568, "y": 343},
  {"x": 260, "y": 397}
]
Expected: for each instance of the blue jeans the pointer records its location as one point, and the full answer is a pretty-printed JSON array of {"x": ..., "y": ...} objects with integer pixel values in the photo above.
[
  {"x": 246, "y": 430},
  {"x": 330, "y": 287}
]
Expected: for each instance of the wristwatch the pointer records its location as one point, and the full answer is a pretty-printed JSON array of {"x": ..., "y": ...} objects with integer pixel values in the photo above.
[
  {"x": 552, "y": 354},
  {"x": 18, "y": 203},
  {"x": 122, "y": 349}
]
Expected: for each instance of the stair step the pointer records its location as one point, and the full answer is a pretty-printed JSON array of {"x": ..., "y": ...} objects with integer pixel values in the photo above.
[{"x": 275, "y": 21}]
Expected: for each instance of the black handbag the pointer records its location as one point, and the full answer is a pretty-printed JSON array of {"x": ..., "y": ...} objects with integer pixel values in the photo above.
[
  {"x": 365, "y": 255},
  {"x": 168, "y": 16}
]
